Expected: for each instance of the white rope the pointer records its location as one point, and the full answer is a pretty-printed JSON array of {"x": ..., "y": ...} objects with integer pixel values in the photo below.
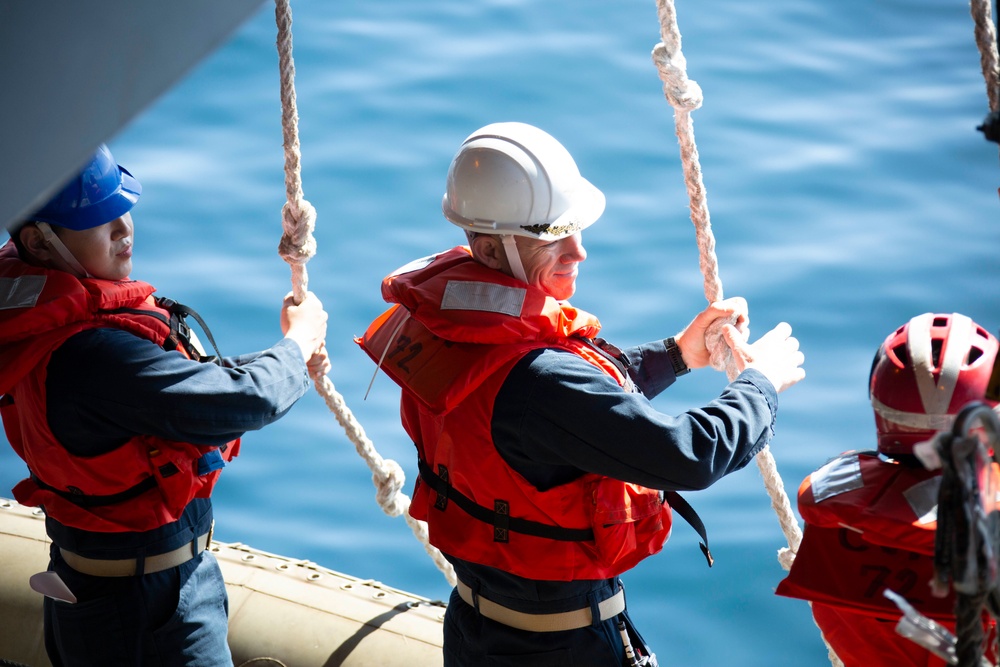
[
  {"x": 986, "y": 40},
  {"x": 684, "y": 95},
  {"x": 297, "y": 246}
]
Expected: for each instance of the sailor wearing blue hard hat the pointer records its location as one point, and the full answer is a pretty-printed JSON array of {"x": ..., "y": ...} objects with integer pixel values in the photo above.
[
  {"x": 91, "y": 214},
  {"x": 125, "y": 423}
]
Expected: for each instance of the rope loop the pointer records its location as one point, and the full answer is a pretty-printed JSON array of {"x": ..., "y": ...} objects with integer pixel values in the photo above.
[{"x": 297, "y": 245}]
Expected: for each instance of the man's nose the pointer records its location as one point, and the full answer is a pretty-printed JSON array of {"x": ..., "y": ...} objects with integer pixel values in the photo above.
[{"x": 574, "y": 249}]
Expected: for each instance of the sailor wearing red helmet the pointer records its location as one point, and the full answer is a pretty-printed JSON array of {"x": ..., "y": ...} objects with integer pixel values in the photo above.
[{"x": 870, "y": 517}]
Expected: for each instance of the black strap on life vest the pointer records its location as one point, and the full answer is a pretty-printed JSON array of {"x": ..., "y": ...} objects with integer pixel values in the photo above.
[
  {"x": 180, "y": 332},
  {"x": 180, "y": 329},
  {"x": 79, "y": 499},
  {"x": 674, "y": 499},
  {"x": 686, "y": 512},
  {"x": 501, "y": 520},
  {"x": 616, "y": 357},
  {"x": 499, "y": 517}
]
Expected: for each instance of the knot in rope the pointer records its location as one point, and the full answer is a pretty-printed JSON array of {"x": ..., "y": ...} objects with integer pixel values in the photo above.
[
  {"x": 721, "y": 358},
  {"x": 388, "y": 482},
  {"x": 786, "y": 557},
  {"x": 297, "y": 244},
  {"x": 682, "y": 93}
]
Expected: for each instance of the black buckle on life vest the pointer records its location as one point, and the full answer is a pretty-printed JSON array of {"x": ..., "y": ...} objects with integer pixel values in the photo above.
[
  {"x": 180, "y": 331},
  {"x": 441, "y": 494},
  {"x": 499, "y": 516},
  {"x": 168, "y": 470},
  {"x": 614, "y": 352},
  {"x": 615, "y": 355},
  {"x": 501, "y": 521}
]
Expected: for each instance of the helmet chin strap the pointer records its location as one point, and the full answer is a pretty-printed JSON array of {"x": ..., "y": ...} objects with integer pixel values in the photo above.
[
  {"x": 513, "y": 258},
  {"x": 61, "y": 249}
]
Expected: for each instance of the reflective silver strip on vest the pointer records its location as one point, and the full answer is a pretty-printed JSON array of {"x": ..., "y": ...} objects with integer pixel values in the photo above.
[
  {"x": 840, "y": 475},
  {"x": 923, "y": 499},
  {"x": 488, "y": 297},
  {"x": 20, "y": 292}
]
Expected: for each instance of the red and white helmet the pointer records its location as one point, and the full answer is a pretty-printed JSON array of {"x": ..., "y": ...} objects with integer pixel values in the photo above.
[{"x": 924, "y": 373}]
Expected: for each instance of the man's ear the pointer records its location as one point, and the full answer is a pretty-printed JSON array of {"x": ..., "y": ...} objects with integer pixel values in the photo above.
[
  {"x": 487, "y": 249},
  {"x": 34, "y": 242}
]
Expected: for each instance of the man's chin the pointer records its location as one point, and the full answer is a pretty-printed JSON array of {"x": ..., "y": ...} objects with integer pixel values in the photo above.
[{"x": 562, "y": 294}]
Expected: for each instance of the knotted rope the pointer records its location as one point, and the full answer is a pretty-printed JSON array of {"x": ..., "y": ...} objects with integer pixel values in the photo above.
[
  {"x": 297, "y": 246},
  {"x": 685, "y": 95}
]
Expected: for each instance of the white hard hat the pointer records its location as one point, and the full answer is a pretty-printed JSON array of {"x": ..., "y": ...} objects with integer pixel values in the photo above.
[{"x": 513, "y": 178}]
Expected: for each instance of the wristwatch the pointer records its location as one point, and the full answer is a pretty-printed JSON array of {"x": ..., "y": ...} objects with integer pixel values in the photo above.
[{"x": 676, "y": 360}]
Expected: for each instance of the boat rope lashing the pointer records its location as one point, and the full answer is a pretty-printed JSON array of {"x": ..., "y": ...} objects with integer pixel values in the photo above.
[
  {"x": 297, "y": 247},
  {"x": 685, "y": 95}
]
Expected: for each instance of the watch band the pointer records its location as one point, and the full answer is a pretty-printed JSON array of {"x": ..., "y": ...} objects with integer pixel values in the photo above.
[{"x": 676, "y": 360}]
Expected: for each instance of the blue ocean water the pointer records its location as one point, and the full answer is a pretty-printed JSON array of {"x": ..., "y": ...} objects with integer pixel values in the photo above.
[{"x": 848, "y": 189}]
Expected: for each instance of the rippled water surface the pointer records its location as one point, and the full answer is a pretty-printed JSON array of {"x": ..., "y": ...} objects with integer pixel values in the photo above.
[{"x": 848, "y": 187}]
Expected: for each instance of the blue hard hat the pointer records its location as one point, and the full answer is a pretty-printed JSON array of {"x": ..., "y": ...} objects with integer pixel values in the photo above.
[{"x": 103, "y": 191}]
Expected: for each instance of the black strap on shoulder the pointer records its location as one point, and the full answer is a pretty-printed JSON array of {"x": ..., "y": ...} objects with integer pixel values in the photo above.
[
  {"x": 81, "y": 500},
  {"x": 499, "y": 517},
  {"x": 180, "y": 332},
  {"x": 179, "y": 327},
  {"x": 684, "y": 509},
  {"x": 616, "y": 357}
]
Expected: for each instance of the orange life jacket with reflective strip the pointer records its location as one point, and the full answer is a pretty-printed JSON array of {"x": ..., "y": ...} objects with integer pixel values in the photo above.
[
  {"x": 141, "y": 485},
  {"x": 457, "y": 330},
  {"x": 869, "y": 526}
]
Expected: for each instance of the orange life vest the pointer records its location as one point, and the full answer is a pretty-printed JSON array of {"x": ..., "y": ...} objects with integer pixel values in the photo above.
[
  {"x": 870, "y": 525},
  {"x": 143, "y": 484},
  {"x": 450, "y": 341}
]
